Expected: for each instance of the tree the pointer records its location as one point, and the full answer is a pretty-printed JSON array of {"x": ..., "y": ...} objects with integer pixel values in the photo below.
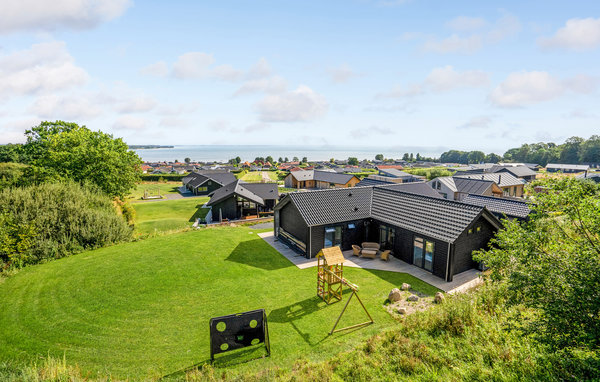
[
  {"x": 304, "y": 160},
  {"x": 418, "y": 156},
  {"x": 61, "y": 150},
  {"x": 353, "y": 161},
  {"x": 296, "y": 159},
  {"x": 550, "y": 263},
  {"x": 238, "y": 160},
  {"x": 571, "y": 150},
  {"x": 286, "y": 159},
  {"x": 13, "y": 174},
  {"x": 476, "y": 156},
  {"x": 411, "y": 158},
  {"x": 590, "y": 150},
  {"x": 187, "y": 160},
  {"x": 331, "y": 160},
  {"x": 12, "y": 153},
  {"x": 280, "y": 160},
  {"x": 269, "y": 159},
  {"x": 379, "y": 157},
  {"x": 493, "y": 158},
  {"x": 405, "y": 157}
]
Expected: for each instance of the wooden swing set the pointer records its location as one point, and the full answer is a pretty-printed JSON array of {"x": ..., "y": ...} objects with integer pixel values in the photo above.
[
  {"x": 330, "y": 281},
  {"x": 152, "y": 193}
]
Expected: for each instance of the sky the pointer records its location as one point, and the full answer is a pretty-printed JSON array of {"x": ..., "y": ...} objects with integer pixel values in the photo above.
[{"x": 469, "y": 75}]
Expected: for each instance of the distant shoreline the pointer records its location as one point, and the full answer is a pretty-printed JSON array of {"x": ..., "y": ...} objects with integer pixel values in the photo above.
[{"x": 143, "y": 147}]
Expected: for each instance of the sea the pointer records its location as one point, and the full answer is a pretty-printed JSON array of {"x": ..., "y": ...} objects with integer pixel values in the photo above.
[{"x": 222, "y": 153}]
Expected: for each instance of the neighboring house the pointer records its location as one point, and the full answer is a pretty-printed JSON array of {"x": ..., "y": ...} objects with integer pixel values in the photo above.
[
  {"x": 397, "y": 174},
  {"x": 589, "y": 176},
  {"x": 521, "y": 172},
  {"x": 205, "y": 182},
  {"x": 510, "y": 185},
  {"x": 456, "y": 188},
  {"x": 240, "y": 200},
  {"x": 501, "y": 207},
  {"x": 566, "y": 168},
  {"x": 319, "y": 179},
  {"x": 389, "y": 166},
  {"x": 432, "y": 233}
]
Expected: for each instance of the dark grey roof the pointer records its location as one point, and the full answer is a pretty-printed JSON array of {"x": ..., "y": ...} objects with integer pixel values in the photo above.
[
  {"x": 591, "y": 176},
  {"x": 332, "y": 205},
  {"x": 256, "y": 192},
  {"x": 500, "y": 206},
  {"x": 437, "y": 218},
  {"x": 395, "y": 173},
  {"x": 472, "y": 186},
  {"x": 578, "y": 167},
  {"x": 322, "y": 176},
  {"x": 501, "y": 179},
  {"x": 431, "y": 216},
  {"x": 419, "y": 188},
  {"x": 518, "y": 171},
  {"x": 372, "y": 182},
  {"x": 197, "y": 178}
]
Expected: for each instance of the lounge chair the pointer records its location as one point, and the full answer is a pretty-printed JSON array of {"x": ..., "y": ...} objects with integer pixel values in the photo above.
[
  {"x": 385, "y": 255},
  {"x": 356, "y": 250}
]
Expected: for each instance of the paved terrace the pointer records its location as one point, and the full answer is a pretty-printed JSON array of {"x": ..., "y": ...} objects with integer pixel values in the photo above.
[{"x": 460, "y": 282}]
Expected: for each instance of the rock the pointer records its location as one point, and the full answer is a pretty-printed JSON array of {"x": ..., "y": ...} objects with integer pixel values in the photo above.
[
  {"x": 401, "y": 310},
  {"x": 405, "y": 286},
  {"x": 413, "y": 297},
  {"x": 438, "y": 298},
  {"x": 395, "y": 295}
]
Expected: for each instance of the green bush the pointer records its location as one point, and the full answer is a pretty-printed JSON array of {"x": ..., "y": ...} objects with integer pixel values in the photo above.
[{"x": 58, "y": 219}]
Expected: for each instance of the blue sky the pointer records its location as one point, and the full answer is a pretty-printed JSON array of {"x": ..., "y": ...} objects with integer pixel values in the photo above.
[{"x": 460, "y": 74}]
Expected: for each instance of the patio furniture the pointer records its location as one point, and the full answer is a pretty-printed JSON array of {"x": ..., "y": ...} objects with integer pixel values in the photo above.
[
  {"x": 356, "y": 250},
  {"x": 368, "y": 253},
  {"x": 385, "y": 255},
  {"x": 370, "y": 246}
]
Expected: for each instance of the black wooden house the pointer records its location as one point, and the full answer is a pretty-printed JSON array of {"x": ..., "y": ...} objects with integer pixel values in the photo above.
[{"x": 435, "y": 234}]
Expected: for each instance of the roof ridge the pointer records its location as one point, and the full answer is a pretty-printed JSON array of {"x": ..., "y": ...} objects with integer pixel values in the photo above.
[{"x": 438, "y": 200}]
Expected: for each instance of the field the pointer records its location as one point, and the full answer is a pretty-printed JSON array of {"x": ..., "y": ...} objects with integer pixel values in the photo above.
[
  {"x": 257, "y": 176},
  {"x": 165, "y": 188},
  {"x": 167, "y": 215},
  {"x": 140, "y": 310}
]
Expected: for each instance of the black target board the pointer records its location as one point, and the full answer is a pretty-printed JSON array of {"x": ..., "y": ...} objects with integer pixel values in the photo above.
[{"x": 237, "y": 331}]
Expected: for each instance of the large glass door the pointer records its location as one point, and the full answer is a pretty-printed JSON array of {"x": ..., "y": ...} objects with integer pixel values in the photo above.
[
  {"x": 386, "y": 237},
  {"x": 333, "y": 236},
  {"x": 423, "y": 253},
  {"x": 418, "y": 252}
]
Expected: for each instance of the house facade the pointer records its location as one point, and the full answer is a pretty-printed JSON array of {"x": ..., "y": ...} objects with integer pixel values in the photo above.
[
  {"x": 316, "y": 179},
  {"x": 429, "y": 232},
  {"x": 240, "y": 200}
]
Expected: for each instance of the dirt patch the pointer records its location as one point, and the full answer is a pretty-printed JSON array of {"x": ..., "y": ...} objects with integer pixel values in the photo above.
[{"x": 403, "y": 307}]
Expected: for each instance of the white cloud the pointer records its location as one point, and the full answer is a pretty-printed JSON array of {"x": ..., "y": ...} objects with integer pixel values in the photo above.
[
  {"x": 341, "y": 74},
  {"x": 130, "y": 122},
  {"x": 275, "y": 84},
  {"x": 65, "y": 108},
  {"x": 45, "y": 67},
  {"x": 193, "y": 65},
  {"x": 227, "y": 72},
  {"x": 135, "y": 104},
  {"x": 366, "y": 132},
  {"x": 454, "y": 44},
  {"x": 479, "y": 122},
  {"x": 466, "y": 24},
  {"x": 158, "y": 69},
  {"x": 525, "y": 88},
  {"x": 302, "y": 104},
  {"x": 440, "y": 80},
  {"x": 49, "y": 15},
  {"x": 506, "y": 26},
  {"x": 260, "y": 70},
  {"x": 577, "y": 34},
  {"x": 447, "y": 78}
]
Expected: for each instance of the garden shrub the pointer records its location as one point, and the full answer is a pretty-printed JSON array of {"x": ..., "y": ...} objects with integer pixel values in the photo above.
[{"x": 56, "y": 220}]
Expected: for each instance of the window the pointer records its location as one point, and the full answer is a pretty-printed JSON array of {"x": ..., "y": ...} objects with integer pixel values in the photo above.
[
  {"x": 470, "y": 231},
  {"x": 202, "y": 189},
  {"x": 333, "y": 236},
  {"x": 351, "y": 226},
  {"x": 387, "y": 236},
  {"x": 444, "y": 195},
  {"x": 423, "y": 253},
  {"x": 478, "y": 228}
]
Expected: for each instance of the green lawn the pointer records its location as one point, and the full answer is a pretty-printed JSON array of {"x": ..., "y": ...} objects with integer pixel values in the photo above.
[
  {"x": 141, "y": 310},
  {"x": 153, "y": 187},
  {"x": 160, "y": 216},
  {"x": 255, "y": 176}
]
